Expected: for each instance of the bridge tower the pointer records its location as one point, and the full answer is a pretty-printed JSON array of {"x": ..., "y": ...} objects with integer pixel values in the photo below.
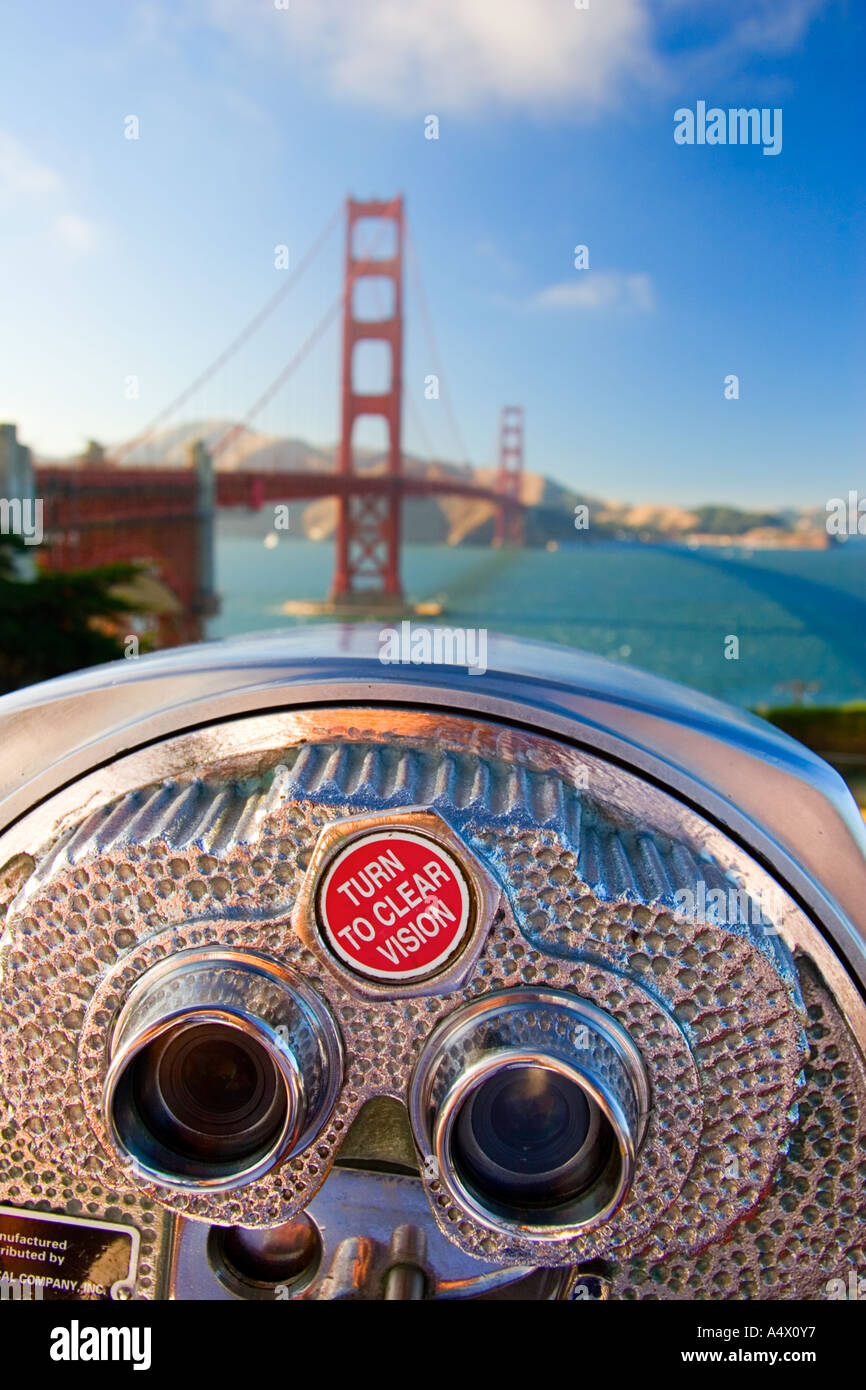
[
  {"x": 368, "y": 522},
  {"x": 509, "y": 482}
]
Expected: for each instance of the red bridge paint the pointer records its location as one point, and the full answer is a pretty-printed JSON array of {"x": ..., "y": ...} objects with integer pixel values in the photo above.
[
  {"x": 394, "y": 905},
  {"x": 99, "y": 515}
]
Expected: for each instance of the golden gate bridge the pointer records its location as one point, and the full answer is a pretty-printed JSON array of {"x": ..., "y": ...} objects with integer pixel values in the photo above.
[{"x": 99, "y": 512}]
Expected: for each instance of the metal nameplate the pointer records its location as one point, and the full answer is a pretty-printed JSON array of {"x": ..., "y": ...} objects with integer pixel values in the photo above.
[{"x": 44, "y": 1256}]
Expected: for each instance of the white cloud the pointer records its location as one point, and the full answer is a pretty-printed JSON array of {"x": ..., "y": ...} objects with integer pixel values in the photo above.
[
  {"x": 460, "y": 55},
  {"x": 754, "y": 28},
  {"x": 597, "y": 290},
  {"x": 490, "y": 251},
  {"x": 26, "y": 182},
  {"x": 772, "y": 27},
  {"x": 76, "y": 233},
  {"x": 480, "y": 56},
  {"x": 22, "y": 176}
]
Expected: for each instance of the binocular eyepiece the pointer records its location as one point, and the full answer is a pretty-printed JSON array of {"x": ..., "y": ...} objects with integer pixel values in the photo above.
[
  {"x": 533, "y": 1104},
  {"x": 223, "y": 1064}
]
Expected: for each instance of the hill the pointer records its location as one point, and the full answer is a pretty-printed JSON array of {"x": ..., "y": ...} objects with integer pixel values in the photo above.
[{"x": 459, "y": 520}]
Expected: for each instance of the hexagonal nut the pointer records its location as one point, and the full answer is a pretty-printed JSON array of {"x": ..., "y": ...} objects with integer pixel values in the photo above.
[{"x": 395, "y": 903}]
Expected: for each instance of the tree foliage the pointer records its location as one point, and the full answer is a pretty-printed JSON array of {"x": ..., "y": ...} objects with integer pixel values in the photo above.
[{"x": 55, "y": 623}]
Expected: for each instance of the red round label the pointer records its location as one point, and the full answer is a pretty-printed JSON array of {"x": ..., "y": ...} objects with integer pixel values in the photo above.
[{"x": 394, "y": 905}]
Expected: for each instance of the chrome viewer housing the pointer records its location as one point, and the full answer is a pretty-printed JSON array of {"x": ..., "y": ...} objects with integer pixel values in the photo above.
[{"x": 641, "y": 1060}]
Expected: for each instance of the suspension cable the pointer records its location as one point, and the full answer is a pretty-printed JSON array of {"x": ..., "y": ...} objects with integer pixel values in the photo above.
[
  {"x": 282, "y": 377},
  {"x": 238, "y": 342},
  {"x": 431, "y": 340}
]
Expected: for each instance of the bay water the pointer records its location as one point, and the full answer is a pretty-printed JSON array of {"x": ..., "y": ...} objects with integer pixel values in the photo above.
[{"x": 799, "y": 616}]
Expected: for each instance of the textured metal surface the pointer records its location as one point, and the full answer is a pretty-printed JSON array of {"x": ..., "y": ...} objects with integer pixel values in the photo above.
[
  {"x": 590, "y": 866},
  {"x": 811, "y": 1224},
  {"x": 747, "y": 777}
]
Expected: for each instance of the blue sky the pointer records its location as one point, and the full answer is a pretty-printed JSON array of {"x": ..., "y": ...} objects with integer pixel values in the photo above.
[{"x": 145, "y": 257}]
